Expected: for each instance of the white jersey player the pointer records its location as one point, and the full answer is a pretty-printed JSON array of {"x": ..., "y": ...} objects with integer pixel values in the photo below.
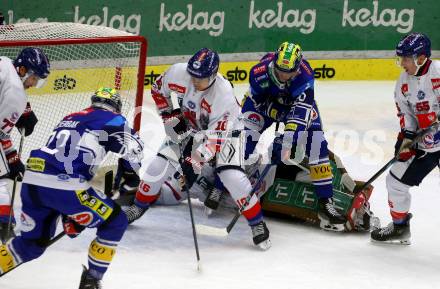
[
  {"x": 29, "y": 69},
  {"x": 417, "y": 96},
  {"x": 207, "y": 106}
]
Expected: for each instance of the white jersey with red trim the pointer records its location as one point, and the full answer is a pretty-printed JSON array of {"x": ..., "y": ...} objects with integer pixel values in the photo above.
[
  {"x": 12, "y": 97},
  {"x": 418, "y": 104},
  {"x": 214, "y": 109}
]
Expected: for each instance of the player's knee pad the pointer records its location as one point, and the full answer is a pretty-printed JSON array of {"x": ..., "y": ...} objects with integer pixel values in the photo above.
[
  {"x": 155, "y": 175},
  {"x": 399, "y": 198}
]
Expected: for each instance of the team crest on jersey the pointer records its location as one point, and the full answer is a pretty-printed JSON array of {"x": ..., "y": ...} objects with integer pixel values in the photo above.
[
  {"x": 404, "y": 89},
  {"x": 421, "y": 95},
  {"x": 428, "y": 140},
  {"x": 27, "y": 223},
  {"x": 435, "y": 83},
  {"x": 191, "y": 104}
]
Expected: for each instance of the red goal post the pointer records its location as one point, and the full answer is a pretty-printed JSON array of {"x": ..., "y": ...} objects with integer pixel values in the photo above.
[{"x": 83, "y": 58}]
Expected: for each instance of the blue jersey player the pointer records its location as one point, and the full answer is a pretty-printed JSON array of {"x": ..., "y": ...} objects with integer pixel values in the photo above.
[
  {"x": 282, "y": 90},
  {"x": 56, "y": 184}
]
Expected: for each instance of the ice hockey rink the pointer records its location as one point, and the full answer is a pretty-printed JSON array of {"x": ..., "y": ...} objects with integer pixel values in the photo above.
[{"x": 157, "y": 251}]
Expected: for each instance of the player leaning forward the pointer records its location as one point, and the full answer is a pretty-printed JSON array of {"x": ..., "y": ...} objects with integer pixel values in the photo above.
[
  {"x": 417, "y": 96},
  {"x": 207, "y": 105},
  {"x": 56, "y": 183},
  {"x": 282, "y": 91},
  {"x": 29, "y": 69}
]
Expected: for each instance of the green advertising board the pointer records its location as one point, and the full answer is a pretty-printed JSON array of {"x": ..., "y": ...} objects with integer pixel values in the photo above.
[{"x": 179, "y": 27}]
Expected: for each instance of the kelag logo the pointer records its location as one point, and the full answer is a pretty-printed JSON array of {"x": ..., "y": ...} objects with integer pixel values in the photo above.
[
  {"x": 236, "y": 74},
  {"x": 324, "y": 72},
  {"x": 65, "y": 83}
]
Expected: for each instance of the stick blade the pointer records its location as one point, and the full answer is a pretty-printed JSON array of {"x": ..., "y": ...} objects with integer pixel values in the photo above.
[{"x": 211, "y": 231}]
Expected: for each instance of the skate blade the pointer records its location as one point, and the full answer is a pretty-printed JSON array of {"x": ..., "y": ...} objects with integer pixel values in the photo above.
[
  {"x": 208, "y": 212},
  {"x": 332, "y": 227},
  {"x": 265, "y": 245},
  {"x": 405, "y": 242}
]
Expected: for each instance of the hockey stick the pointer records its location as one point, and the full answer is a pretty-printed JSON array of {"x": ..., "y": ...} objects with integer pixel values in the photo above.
[
  {"x": 108, "y": 185},
  {"x": 394, "y": 159},
  {"x": 14, "y": 186},
  {"x": 214, "y": 231},
  {"x": 185, "y": 187}
]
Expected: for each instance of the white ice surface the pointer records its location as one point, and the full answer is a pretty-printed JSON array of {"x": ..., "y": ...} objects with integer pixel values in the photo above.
[{"x": 158, "y": 252}]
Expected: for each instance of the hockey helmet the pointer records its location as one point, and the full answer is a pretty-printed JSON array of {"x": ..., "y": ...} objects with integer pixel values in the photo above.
[
  {"x": 203, "y": 64},
  {"x": 35, "y": 62},
  {"x": 107, "y": 98},
  {"x": 288, "y": 57},
  {"x": 414, "y": 44}
]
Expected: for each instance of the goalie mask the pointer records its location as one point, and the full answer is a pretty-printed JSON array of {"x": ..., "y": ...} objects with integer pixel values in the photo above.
[{"x": 108, "y": 99}]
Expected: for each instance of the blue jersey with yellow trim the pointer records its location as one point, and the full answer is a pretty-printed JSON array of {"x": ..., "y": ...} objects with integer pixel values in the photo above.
[
  {"x": 80, "y": 142},
  {"x": 270, "y": 101},
  {"x": 264, "y": 87}
]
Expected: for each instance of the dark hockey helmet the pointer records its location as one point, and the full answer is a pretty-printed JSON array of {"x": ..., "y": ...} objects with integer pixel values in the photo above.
[
  {"x": 203, "y": 64},
  {"x": 107, "y": 98},
  {"x": 34, "y": 60},
  {"x": 414, "y": 44},
  {"x": 288, "y": 57}
]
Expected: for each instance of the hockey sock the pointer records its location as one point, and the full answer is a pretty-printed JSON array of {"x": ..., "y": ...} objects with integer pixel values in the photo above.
[
  {"x": 399, "y": 218},
  {"x": 7, "y": 259},
  {"x": 101, "y": 253},
  {"x": 322, "y": 177},
  {"x": 253, "y": 214}
]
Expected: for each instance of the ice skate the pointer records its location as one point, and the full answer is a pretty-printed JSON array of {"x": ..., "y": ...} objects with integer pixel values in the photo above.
[
  {"x": 330, "y": 218},
  {"x": 134, "y": 212},
  {"x": 88, "y": 281},
  {"x": 393, "y": 233},
  {"x": 260, "y": 235}
]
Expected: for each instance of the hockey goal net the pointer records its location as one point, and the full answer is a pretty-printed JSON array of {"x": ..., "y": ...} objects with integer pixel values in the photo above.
[{"x": 82, "y": 58}]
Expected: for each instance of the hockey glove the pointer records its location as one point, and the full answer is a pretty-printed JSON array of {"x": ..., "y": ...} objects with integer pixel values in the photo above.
[
  {"x": 403, "y": 147},
  {"x": 27, "y": 121},
  {"x": 175, "y": 125},
  {"x": 16, "y": 167},
  {"x": 126, "y": 181},
  {"x": 71, "y": 228},
  {"x": 283, "y": 150}
]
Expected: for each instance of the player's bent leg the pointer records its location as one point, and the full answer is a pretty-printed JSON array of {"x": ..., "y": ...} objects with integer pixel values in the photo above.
[
  {"x": 331, "y": 219},
  {"x": 38, "y": 225},
  {"x": 239, "y": 186},
  {"x": 103, "y": 248},
  {"x": 402, "y": 176},
  {"x": 157, "y": 172}
]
